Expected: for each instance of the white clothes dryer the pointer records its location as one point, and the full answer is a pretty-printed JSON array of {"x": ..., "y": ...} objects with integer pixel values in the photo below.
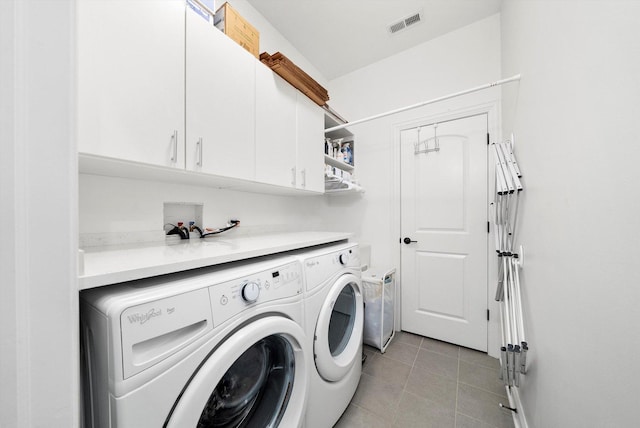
[
  {"x": 334, "y": 316},
  {"x": 215, "y": 347}
]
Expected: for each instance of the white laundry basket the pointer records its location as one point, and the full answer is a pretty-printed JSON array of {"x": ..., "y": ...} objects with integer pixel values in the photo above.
[{"x": 379, "y": 318}]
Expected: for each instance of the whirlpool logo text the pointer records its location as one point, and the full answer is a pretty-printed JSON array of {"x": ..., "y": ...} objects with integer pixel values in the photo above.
[{"x": 142, "y": 318}]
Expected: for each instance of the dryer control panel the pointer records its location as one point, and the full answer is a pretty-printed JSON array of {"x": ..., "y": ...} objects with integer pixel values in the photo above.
[
  {"x": 232, "y": 297},
  {"x": 322, "y": 267}
]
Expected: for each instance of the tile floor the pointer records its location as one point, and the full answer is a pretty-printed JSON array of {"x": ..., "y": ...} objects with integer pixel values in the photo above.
[{"x": 421, "y": 382}]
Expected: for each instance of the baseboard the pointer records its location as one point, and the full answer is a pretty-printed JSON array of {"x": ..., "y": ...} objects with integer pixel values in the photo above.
[{"x": 519, "y": 418}]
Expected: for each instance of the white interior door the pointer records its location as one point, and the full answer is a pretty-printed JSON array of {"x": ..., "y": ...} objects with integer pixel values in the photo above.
[{"x": 444, "y": 215}]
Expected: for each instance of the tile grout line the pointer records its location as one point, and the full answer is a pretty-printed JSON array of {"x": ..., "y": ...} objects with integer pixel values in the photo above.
[
  {"x": 381, "y": 355},
  {"x": 479, "y": 386},
  {"x": 479, "y": 420},
  {"x": 483, "y": 390},
  {"x": 460, "y": 361},
  {"x": 404, "y": 386}
]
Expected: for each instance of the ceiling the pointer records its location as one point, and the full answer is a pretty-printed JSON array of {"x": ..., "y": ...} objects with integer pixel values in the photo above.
[{"x": 339, "y": 36}]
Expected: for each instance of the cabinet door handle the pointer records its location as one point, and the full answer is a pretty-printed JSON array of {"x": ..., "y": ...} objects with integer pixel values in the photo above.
[
  {"x": 174, "y": 151},
  {"x": 293, "y": 176},
  {"x": 303, "y": 173},
  {"x": 199, "y": 152}
]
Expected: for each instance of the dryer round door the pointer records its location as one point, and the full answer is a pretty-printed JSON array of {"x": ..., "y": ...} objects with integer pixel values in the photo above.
[
  {"x": 257, "y": 378},
  {"x": 338, "y": 335}
]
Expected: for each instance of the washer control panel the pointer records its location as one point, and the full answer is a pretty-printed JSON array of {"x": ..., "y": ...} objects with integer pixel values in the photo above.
[
  {"x": 232, "y": 297},
  {"x": 250, "y": 292}
]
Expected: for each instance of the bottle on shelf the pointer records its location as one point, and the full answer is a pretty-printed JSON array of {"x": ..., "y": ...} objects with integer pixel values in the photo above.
[
  {"x": 347, "y": 153},
  {"x": 337, "y": 154}
]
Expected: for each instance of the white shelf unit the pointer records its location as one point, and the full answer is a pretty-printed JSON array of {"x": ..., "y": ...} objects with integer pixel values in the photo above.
[
  {"x": 334, "y": 182},
  {"x": 338, "y": 164},
  {"x": 337, "y": 185}
]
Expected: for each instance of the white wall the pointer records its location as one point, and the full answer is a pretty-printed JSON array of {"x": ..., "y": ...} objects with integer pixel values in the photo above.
[
  {"x": 38, "y": 291},
  {"x": 128, "y": 210},
  {"x": 575, "y": 116},
  {"x": 271, "y": 41},
  {"x": 456, "y": 61}
]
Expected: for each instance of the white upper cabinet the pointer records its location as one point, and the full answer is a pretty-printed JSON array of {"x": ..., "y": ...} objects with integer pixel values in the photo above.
[
  {"x": 289, "y": 132},
  {"x": 275, "y": 129},
  {"x": 159, "y": 85},
  {"x": 310, "y": 131},
  {"x": 220, "y": 102},
  {"x": 131, "y": 80}
]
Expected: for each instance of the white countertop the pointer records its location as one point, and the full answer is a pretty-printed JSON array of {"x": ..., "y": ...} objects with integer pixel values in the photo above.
[{"x": 111, "y": 265}]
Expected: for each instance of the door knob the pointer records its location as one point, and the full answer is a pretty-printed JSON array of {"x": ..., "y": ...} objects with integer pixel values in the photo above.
[{"x": 408, "y": 240}]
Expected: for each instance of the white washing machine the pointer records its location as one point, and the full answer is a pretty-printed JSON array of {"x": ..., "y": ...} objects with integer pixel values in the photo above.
[
  {"x": 208, "y": 348},
  {"x": 334, "y": 316}
]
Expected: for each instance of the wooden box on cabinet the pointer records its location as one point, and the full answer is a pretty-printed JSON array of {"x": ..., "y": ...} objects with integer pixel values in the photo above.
[{"x": 230, "y": 22}]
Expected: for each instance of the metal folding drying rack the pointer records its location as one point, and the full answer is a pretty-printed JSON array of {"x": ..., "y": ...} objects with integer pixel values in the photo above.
[{"x": 513, "y": 355}]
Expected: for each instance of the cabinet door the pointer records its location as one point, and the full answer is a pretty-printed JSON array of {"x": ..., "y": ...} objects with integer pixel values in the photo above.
[
  {"x": 220, "y": 100},
  {"x": 275, "y": 129},
  {"x": 131, "y": 80},
  {"x": 310, "y": 134}
]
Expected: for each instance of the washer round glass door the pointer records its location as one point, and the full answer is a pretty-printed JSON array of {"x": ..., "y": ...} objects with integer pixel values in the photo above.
[
  {"x": 338, "y": 335},
  {"x": 257, "y": 378}
]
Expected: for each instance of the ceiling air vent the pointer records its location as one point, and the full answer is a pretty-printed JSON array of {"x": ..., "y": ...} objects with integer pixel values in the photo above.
[{"x": 404, "y": 23}]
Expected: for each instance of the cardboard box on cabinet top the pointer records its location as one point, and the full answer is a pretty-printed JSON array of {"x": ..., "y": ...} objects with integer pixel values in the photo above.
[{"x": 230, "y": 22}]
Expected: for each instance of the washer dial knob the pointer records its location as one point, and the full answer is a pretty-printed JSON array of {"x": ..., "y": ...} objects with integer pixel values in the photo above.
[
  {"x": 250, "y": 292},
  {"x": 343, "y": 258}
]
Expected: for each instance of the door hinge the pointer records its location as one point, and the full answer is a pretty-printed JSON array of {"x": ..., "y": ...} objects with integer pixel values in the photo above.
[
  {"x": 487, "y": 314},
  {"x": 488, "y": 227},
  {"x": 488, "y": 138}
]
